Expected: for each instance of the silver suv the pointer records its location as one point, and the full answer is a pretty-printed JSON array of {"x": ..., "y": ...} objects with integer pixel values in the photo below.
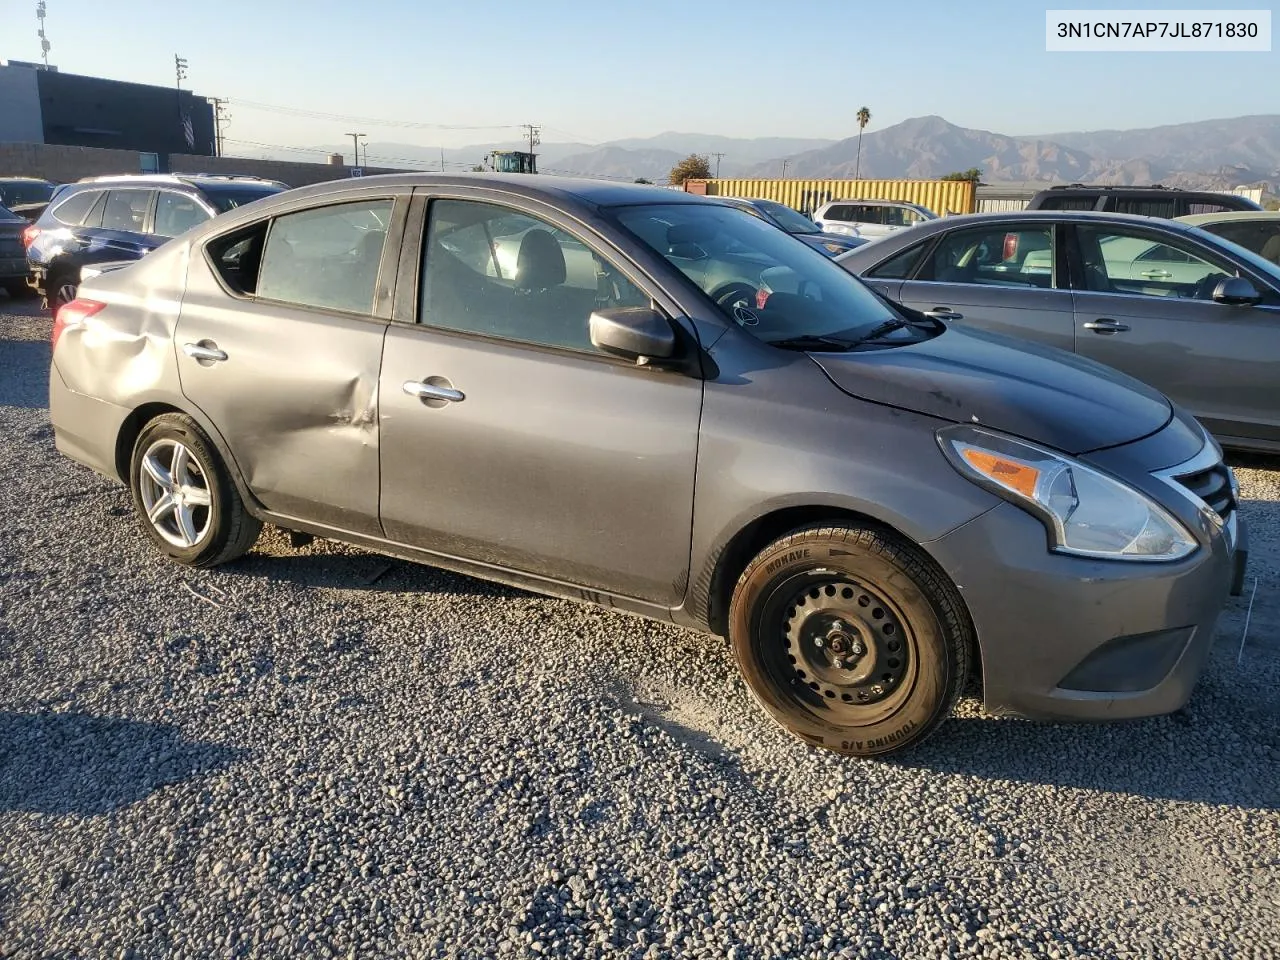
[
  {"x": 665, "y": 405},
  {"x": 870, "y": 218}
]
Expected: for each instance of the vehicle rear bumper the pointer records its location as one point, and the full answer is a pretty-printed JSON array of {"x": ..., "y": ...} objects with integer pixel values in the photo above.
[
  {"x": 84, "y": 429},
  {"x": 1068, "y": 638}
]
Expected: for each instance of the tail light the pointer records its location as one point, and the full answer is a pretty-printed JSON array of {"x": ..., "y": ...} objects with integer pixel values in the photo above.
[
  {"x": 72, "y": 314},
  {"x": 1010, "y": 246},
  {"x": 29, "y": 235}
]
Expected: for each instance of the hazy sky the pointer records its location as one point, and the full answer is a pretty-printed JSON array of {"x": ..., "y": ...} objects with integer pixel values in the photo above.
[{"x": 594, "y": 70}]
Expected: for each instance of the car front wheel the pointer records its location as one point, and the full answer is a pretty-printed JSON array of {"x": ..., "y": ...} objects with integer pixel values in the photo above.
[
  {"x": 851, "y": 638},
  {"x": 187, "y": 502}
]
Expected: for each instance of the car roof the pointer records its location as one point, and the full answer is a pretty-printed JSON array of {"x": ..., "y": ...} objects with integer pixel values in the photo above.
[
  {"x": 1198, "y": 219},
  {"x": 601, "y": 193},
  {"x": 25, "y": 180},
  {"x": 1012, "y": 216},
  {"x": 872, "y": 200}
]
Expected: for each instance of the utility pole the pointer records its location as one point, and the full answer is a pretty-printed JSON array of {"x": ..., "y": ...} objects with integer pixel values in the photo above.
[
  {"x": 355, "y": 145},
  {"x": 534, "y": 139},
  {"x": 785, "y": 164},
  {"x": 442, "y": 159},
  {"x": 44, "y": 41},
  {"x": 180, "y": 73},
  {"x": 719, "y": 157},
  {"x": 220, "y": 118}
]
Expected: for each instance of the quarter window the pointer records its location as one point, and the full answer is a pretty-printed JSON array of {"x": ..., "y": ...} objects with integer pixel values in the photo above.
[
  {"x": 126, "y": 210},
  {"x": 71, "y": 211},
  {"x": 498, "y": 272},
  {"x": 326, "y": 257},
  {"x": 901, "y": 265},
  {"x": 1014, "y": 256}
]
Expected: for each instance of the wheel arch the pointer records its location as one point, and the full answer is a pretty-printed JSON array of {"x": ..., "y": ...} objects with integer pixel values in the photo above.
[
  {"x": 752, "y": 537},
  {"x": 140, "y": 416}
]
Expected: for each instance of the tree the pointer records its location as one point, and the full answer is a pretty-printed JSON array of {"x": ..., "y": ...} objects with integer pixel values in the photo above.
[
  {"x": 643, "y": 180},
  {"x": 864, "y": 117},
  {"x": 693, "y": 167},
  {"x": 477, "y": 169},
  {"x": 973, "y": 173}
]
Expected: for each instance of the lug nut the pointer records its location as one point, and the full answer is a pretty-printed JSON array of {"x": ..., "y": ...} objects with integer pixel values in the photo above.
[
  {"x": 838, "y": 663},
  {"x": 818, "y": 641}
]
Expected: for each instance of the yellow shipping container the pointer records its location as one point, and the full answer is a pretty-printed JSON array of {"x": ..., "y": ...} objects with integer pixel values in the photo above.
[{"x": 941, "y": 196}]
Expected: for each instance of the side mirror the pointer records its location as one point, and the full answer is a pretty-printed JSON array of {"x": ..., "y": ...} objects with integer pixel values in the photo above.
[
  {"x": 1236, "y": 292},
  {"x": 637, "y": 333}
]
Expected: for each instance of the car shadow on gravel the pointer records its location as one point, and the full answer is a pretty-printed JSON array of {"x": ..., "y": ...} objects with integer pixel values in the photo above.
[
  {"x": 361, "y": 571},
  {"x": 26, "y": 379},
  {"x": 75, "y": 763}
]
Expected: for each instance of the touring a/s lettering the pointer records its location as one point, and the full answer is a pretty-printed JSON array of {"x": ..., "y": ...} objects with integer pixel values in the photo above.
[{"x": 1158, "y": 30}]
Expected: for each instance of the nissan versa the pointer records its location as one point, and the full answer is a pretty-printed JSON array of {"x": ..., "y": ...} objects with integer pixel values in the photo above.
[{"x": 668, "y": 406}]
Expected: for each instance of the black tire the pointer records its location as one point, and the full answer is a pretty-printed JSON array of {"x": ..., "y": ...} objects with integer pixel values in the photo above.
[
  {"x": 223, "y": 529},
  {"x": 851, "y": 638},
  {"x": 60, "y": 288},
  {"x": 17, "y": 289}
]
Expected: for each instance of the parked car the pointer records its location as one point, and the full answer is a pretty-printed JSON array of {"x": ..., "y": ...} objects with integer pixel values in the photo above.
[
  {"x": 123, "y": 218},
  {"x": 794, "y": 223},
  {"x": 871, "y": 504},
  {"x": 1157, "y": 201},
  {"x": 1163, "y": 301},
  {"x": 1258, "y": 232},
  {"x": 13, "y": 265},
  {"x": 25, "y": 196},
  {"x": 870, "y": 218}
]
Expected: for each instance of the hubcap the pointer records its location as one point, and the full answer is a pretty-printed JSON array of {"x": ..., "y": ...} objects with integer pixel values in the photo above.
[
  {"x": 841, "y": 648},
  {"x": 175, "y": 493},
  {"x": 65, "y": 294}
]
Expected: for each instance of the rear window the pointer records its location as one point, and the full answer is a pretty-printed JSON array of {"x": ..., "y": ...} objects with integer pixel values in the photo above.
[
  {"x": 14, "y": 193},
  {"x": 71, "y": 211},
  {"x": 228, "y": 198}
]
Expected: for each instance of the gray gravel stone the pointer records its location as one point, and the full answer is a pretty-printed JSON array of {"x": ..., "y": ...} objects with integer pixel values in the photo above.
[{"x": 326, "y": 757}]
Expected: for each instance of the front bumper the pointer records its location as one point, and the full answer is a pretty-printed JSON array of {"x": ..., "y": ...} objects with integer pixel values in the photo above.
[{"x": 1065, "y": 637}]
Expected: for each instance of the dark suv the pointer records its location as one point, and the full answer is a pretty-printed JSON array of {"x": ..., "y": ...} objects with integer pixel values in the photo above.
[
  {"x": 123, "y": 218},
  {"x": 1157, "y": 201}
]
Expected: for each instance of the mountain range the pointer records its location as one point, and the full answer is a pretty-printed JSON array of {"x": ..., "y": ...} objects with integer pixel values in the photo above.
[{"x": 1213, "y": 154}]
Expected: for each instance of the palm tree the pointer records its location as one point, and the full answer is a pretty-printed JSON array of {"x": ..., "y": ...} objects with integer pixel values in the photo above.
[{"x": 864, "y": 117}]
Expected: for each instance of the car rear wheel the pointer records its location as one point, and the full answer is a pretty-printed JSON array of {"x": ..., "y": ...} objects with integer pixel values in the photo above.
[
  {"x": 851, "y": 638},
  {"x": 61, "y": 291},
  {"x": 187, "y": 502}
]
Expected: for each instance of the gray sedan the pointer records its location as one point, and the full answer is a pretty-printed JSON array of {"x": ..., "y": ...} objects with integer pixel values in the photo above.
[
  {"x": 1192, "y": 314},
  {"x": 639, "y": 398}
]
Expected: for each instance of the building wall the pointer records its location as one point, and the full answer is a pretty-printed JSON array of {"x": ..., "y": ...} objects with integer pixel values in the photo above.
[
  {"x": 940, "y": 196},
  {"x": 64, "y": 164},
  {"x": 110, "y": 114},
  {"x": 20, "y": 120}
]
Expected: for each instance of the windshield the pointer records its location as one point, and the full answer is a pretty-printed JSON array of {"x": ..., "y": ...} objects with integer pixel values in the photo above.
[
  {"x": 788, "y": 219},
  {"x": 773, "y": 286},
  {"x": 1261, "y": 264},
  {"x": 228, "y": 198}
]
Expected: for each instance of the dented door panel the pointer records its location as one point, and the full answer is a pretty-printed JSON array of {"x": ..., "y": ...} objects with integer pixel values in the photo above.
[{"x": 296, "y": 397}]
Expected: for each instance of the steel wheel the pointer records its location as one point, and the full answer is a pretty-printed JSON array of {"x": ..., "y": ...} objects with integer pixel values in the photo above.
[
  {"x": 837, "y": 648},
  {"x": 175, "y": 493}
]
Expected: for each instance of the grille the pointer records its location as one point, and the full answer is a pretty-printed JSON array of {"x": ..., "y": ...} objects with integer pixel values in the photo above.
[{"x": 1213, "y": 486}]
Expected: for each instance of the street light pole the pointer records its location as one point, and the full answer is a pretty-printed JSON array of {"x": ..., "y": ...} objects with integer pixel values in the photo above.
[{"x": 355, "y": 148}]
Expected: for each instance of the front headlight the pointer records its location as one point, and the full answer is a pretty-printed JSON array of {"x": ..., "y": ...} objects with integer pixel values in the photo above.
[{"x": 1086, "y": 512}]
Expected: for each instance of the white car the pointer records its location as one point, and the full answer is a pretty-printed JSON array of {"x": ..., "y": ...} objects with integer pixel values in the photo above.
[{"x": 870, "y": 218}]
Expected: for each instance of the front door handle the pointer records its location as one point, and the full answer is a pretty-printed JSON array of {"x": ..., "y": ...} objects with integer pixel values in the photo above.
[
  {"x": 1106, "y": 327},
  {"x": 943, "y": 313},
  {"x": 1157, "y": 274},
  {"x": 425, "y": 390},
  {"x": 204, "y": 350}
]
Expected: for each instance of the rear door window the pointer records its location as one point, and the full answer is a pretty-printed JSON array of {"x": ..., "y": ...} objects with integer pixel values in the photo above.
[
  {"x": 326, "y": 257},
  {"x": 126, "y": 210},
  {"x": 1069, "y": 203},
  {"x": 72, "y": 210},
  {"x": 1147, "y": 206},
  {"x": 901, "y": 265},
  {"x": 1011, "y": 256}
]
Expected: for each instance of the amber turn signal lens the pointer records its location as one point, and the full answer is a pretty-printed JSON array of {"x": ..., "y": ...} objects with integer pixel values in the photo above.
[{"x": 1013, "y": 474}]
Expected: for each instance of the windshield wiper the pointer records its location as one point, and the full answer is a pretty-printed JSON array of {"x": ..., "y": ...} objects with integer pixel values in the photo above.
[
  {"x": 810, "y": 342},
  {"x": 879, "y": 331}
]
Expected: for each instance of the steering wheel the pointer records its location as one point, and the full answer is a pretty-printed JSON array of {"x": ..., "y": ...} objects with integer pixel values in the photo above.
[{"x": 731, "y": 294}]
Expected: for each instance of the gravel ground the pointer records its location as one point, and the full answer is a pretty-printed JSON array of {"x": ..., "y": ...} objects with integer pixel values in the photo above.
[{"x": 319, "y": 753}]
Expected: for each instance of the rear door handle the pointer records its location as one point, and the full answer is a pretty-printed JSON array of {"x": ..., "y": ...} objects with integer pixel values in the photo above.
[
  {"x": 1106, "y": 327},
  {"x": 431, "y": 391},
  {"x": 205, "y": 350},
  {"x": 943, "y": 313}
]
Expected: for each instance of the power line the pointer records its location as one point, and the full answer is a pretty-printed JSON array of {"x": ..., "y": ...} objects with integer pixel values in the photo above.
[{"x": 368, "y": 121}]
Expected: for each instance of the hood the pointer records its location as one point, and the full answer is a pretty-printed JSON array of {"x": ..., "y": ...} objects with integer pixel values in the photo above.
[
  {"x": 1032, "y": 391},
  {"x": 820, "y": 242}
]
